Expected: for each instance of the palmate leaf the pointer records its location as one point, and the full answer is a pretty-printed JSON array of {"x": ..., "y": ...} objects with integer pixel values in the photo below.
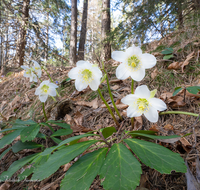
[
  {"x": 108, "y": 131},
  {"x": 16, "y": 166},
  {"x": 82, "y": 173},
  {"x": 121, "y": 170},
  {"x": 156, "y": 156},
  {"x": 59, "y": 158}
]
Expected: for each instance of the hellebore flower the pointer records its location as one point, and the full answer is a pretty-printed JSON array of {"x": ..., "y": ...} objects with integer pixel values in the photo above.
[
  {"x": 29, "y": 73},
  {"x": 143, "y": 102},
  {"x": 85, "y": 74},
  {"x": 134, "y": 63},
  {"x": 37, "y": 69},
  {"x": 46, "y": 88}
]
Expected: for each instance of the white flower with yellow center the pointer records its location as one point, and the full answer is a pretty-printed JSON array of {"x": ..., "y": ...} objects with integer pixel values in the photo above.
[
  {"x": 85, "y": 74},
  {"x": 143, "y": 102},
  {"x": 29, "y": 73},
  {"x": 134, "y": 63},
  {"x": 37, "y": 69},
  {"x": 46, "y": 88}
]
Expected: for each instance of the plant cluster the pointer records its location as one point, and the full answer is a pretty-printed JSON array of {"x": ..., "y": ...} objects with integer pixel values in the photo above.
[{"x": 117, "y": 158}]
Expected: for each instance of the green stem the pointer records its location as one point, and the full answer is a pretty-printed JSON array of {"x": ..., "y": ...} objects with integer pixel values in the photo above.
[
  {"x": 111, "y": 96},
  {"x": 108, "y": 107},
  {"x": 179, "y": 112},
  {"x": 132, "y": 91},
  {"x": 47, "y": 74},
  {"x": 132, "y": 86},
  {"x": 44, "y": 111}
]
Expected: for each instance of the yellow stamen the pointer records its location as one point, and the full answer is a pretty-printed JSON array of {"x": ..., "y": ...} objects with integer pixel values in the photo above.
[
  {"x": 86, "y": 75},
  {"x": 142, "y": 104},
  {"x": 45, "y": 88}
]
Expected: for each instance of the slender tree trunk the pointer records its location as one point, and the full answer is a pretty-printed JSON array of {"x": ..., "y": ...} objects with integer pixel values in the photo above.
[
  {"x": 20, "y": 52},
  {"x": 73, "y": 35},
  {"x": 106, "y": 30},
  {"x": 83, "y": 31},
  {"x": 180, "y": 14},
  {"x": 47, "y": 40}
]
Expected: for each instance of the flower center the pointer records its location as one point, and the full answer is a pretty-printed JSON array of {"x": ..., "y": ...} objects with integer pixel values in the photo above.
[
  {"x": 28, "y": 71},
  {"x": 133, "y": 63},
  {"x": 37, "y": 68},
  {"x": 142, "y": 104},
  {"x": 87, "y": 75},
  {"x": 45, "y": 88}
]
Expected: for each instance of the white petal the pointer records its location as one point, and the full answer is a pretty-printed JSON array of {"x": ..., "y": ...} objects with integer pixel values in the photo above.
[
  {"x": 52, "y": 92},
  {"x": 80, "y": 63},
  {"x": 132, "y": 112},
  {"x": 119, "y": 56},
  {"x": 133, "y": 51},
  {"x": 37, "y": 91},
  {"x": 142, "y": 92},
  {"x": 52, "y": 85},
  {"x": 80, "y": 85},
  {"x": 152, "y": 115},
  {"x": 25, "y": 67},
  {"x": 158, "y": 104},
  {"x": 96, "y": 71},
  {"x": 138, "y": 75},
  {"x": 73, "y": 73},
  {"x": 43, "y": 98},
  {"x": 129, "y": 99},
  {"x": 122, "y": 72},
  {"x": 148, "y": 60},
  {"x": 45, "y": 82},
  {"x": 94, "y": 85},
  {"x": 36, "y": 64}
]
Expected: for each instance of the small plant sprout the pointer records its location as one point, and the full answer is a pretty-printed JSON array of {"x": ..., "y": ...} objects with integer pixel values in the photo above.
[
  {"x": 46, "y": 88},
  {"x": 86, "y": 74},
  {"x": 143, "y": 102},
  {"x": 134, "y": 63},
  {"x": 29, "y": 73}
]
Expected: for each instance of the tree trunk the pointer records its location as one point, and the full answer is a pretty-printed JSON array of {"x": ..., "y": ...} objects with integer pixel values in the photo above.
[
  {"x": 73, "y": 35},
  {"x": 180, "y": 14},
  {"x": 20, "y": 52},
  {"x": 106, "y": 30},
  {"x": 83, "y": 31}
]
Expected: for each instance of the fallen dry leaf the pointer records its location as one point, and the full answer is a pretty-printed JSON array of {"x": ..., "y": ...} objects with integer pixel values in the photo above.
[
  {"x": 5, "y": 186},
  {"x": 115, "y": 81},
  {"x": 78, "y": 118},
  {"x": 115, "y": 87},
  {"x": 66, "y": 167},
  {"x": 186, "y": 62},
  {"x": 154, "y": 128},
  {"x": 185, "y": 144},
  {"x": 175, "y": 65},
  {"x": 168, "y": 127},
  {"x": 93, "y": 103},
  {"x": 154, "y": 73},
  {"x": 138, "y": 122}
]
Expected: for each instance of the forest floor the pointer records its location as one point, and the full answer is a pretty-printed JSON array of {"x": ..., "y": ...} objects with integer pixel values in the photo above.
[{"x": 85, "y": 111}]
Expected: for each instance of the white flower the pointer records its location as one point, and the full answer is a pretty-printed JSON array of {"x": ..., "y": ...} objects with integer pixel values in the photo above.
[
  {"x": 133, "y": 63},
  {"x": 85, "y": 74},
  {"x": 36, "y": 68},
  {"x": 143, "y": 102},
  {"x": 46, "y": 88},
  {"x": 29, "y": 73}
]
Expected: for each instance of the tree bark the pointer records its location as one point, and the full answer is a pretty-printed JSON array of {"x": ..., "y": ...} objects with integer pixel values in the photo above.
[
  {"x": 83, "y": 31},
  {"x": 20, "y": 52},
  {"x": 106, "y": 30},
  {"x": 73, "y": 35}
]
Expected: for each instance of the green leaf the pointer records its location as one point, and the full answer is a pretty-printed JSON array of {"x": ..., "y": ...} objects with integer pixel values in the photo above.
[
  {"x": 153, "y": 136},
  {"x": 167, "y": 51},
  {"x": 193, "y": 89},
  {"x": 177, "y": 90},
  {"x": 41, "y": 135},
  {"x": 56, "y": 140},
  {"x": 16, "y": 166},
  {"x": 83, "y": 172},
  {"x": 61, "y": 132},
  {"x": 24, "y": 145},
  {"x": 7, "y": 139},
  {"x": 27, "y": 122},
  {"x": 25, "y": 174},
  {"x": 121, "y": 170},
  {"x": 29, "y": 133},
  {"x": 166, "y": 57},
  {"x": 144, "y": 132},
  {"x": 64, "y": 125},
  {"x": 108, "y": 131},
  {"x": 4, "y": 152},
  {"x": 60, "y": 158},
  {"x": 156, "y": 156}
]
